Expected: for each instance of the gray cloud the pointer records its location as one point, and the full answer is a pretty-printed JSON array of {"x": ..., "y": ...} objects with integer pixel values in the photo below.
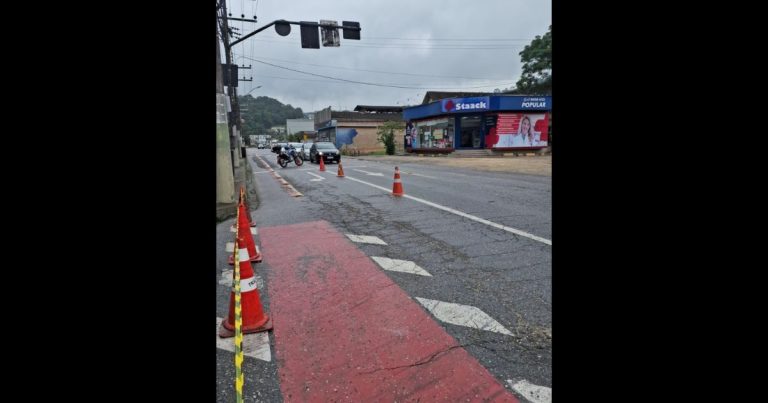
[{"x": 515, "y": 21}]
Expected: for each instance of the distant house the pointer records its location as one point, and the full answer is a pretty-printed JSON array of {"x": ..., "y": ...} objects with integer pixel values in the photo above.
[
  {"x": 356, "y": 128},
  {"x": 277, "y": 130}
]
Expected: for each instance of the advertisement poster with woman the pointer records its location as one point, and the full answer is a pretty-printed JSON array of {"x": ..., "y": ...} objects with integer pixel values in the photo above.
[{"x": 519, "y": 130}]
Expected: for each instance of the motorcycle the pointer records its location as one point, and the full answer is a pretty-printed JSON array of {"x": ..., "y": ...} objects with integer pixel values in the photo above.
[{"x": 287, "y": 155}]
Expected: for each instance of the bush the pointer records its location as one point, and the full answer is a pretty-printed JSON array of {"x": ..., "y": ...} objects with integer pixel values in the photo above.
[{"x": 386, "y": 135}]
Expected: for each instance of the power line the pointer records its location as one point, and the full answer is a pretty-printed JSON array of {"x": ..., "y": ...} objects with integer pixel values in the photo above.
[
  {"x": 450, "y": 39},
  {"x": 379, "y": 71},
  {"x": 414, "y": 46},
  {"x": 366, "y": 83},
  {"x": 330, "y": 82}
]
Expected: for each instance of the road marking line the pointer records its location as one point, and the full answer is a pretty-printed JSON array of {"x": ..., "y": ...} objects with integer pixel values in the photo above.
[
  {"x": 255, "y": 345},
  {"x": 289, "y": 188},
  {"x": 319, "y": 178},
  {"x": 534, "y": 393},
  {"x": 462, "y": 214},
  {"x": 366, "y": 239},
  {"x": 463, "y": 315},
  {"x": 314, "y": 168},
  {"x": 404, "y": 266}
]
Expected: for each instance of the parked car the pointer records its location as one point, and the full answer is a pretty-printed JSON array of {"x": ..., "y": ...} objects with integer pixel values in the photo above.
[
  {"x": 276, "y": 147},
  {"x": 304, "y": 151},
  {"x": 329, "y": 152}
]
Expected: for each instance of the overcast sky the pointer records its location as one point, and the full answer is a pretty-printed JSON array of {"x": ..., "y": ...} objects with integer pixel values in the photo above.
[{"x": 448, "y": 45}]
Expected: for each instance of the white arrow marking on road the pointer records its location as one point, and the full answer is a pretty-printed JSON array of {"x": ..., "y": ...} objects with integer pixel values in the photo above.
[
  {"x": 319, "y": 178},
  {"x": 426, "y": 176},
  {"x": 463, "y": 315},
  {"x": 411, "y": 173},
  {"x": 369, "y": 173},
  {"x": 255, "y": 345},
  {"x": 404, "y": 266},
  {"x": 534, "y": 393}
]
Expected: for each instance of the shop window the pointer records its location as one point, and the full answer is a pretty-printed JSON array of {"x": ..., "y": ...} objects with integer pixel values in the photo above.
[{"x": 434, "y": 134}]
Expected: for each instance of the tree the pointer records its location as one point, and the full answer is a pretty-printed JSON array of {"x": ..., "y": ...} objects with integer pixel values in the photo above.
[
  {"x": 386, "y": 135},
  {"x": 261, "y": 113},
  {"x": 537, "y": 66}
]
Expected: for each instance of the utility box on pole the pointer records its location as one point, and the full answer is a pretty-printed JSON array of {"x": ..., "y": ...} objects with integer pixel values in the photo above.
[{"x": 230, "y": 74}]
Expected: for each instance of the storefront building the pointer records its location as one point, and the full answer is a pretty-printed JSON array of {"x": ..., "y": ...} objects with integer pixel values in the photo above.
[{"x": 501, "y": 123}]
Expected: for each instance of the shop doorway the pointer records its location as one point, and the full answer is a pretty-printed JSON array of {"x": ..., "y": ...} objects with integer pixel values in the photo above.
[{"x": 471, "y": 135}]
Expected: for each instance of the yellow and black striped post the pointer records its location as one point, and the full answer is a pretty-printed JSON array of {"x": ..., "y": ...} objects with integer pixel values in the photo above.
[{"x": 238, "y": 321}]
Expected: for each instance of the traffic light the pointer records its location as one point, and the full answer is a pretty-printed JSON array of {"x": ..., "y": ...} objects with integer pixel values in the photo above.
[
  {"x": 351, "y": 33},
  {"x": 310, "y": 39}
]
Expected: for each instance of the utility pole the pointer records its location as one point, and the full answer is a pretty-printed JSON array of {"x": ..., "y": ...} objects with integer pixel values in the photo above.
[
  {"x": 310, "y": 39},
  {"x": 225, "y": 181},
  {"x": 234, "y": 122}
]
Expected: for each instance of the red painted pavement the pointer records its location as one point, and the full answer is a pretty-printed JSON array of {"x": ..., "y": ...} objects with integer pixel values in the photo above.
[{"x": 345, "y": 332}]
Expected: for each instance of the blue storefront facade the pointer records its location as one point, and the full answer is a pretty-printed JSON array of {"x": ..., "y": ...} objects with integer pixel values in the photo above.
[{"x": 503, "y": 122}]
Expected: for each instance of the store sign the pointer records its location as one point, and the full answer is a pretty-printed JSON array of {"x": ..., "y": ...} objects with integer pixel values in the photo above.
[
  {"x": 465, "y": 104},
  {"x": 534, "y": 102}
]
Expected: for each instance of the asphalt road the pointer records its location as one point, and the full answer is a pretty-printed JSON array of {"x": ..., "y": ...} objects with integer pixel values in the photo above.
[{"x": 504, "y": 274}]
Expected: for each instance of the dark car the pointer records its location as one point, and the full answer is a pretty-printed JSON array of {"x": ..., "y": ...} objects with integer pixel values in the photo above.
[
  {"x": 276, "y": 148},
  {"x": 327, "y": 150}
]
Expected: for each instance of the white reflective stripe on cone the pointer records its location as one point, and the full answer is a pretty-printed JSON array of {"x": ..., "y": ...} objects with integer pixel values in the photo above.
[
  {"x": 244, "y": 256},
  {"x": 248, "y": 284}
]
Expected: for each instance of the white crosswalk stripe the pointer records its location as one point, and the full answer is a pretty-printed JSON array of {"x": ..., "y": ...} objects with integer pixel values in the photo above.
[
  {"x": 462, "y": 315},
  {"x": 365, "y": 239},
  {"x": 255, "y": 345},
  {"x": 404, "y": 266},
  {"x": 531, "y": 392}
]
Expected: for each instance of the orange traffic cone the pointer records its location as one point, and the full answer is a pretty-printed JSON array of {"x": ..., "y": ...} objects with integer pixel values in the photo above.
[
  {"x": 340, "y": 173},
  {"x": 253, "y": 316},
  {"x": 397, "y": 187},
  {"x": 322, "y": 164},
  {"x": 245, "y": 239}
]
